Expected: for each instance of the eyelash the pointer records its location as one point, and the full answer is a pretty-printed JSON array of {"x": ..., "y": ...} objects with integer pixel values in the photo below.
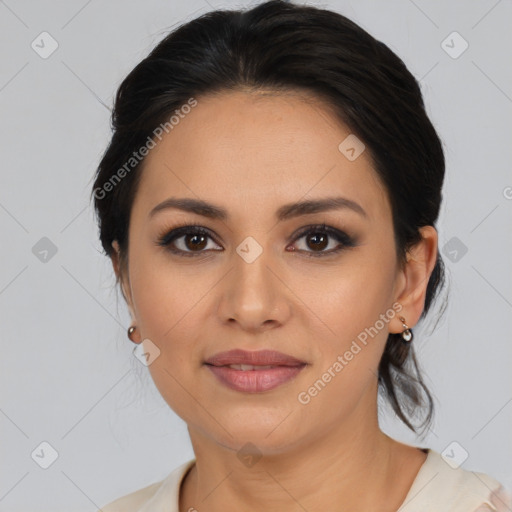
[{"x": 168, "y": 237}]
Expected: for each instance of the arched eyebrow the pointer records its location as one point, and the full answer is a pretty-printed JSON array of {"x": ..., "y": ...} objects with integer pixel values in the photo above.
[{"x": 285, "y": 212}]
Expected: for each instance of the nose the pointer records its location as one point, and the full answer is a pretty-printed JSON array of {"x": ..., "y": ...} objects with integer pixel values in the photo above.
[{"x": 253, "y": 297}]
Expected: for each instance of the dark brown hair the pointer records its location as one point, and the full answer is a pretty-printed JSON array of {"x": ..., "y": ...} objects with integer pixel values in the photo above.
[{"x": 284, "y": 47}]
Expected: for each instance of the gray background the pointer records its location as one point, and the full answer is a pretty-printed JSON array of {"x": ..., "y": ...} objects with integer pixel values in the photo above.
[{"x": 68, "y": 376}]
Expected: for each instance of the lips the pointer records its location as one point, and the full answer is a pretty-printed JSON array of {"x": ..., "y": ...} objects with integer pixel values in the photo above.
[
  {"x": 254, "y": 372},
  {"x": 257, "y": 359}
]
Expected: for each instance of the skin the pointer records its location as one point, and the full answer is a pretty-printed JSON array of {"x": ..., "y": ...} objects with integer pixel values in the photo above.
[{"x": 250, "y": 153}]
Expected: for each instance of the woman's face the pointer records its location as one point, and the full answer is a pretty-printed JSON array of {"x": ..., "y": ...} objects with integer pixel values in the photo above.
[{"x": 256, "y": 280}]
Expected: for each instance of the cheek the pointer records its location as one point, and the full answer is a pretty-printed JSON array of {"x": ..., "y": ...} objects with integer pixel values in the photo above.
[
  {"x": 347, "y": 298},
  {"x": 165, "y": 295},
  {"x": 348, "y": 338},
  {"x": 352, "y": 312},
  {"x": 167, "y": 303}
]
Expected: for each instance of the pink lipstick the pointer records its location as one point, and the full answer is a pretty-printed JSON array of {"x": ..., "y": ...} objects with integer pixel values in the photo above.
[{"x": 254, "y": 372}]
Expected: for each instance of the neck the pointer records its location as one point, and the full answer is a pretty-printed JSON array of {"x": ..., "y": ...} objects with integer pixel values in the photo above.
[{"x": 354, "y": 466}]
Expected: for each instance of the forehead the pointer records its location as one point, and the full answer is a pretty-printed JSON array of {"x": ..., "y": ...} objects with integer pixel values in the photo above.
[{"x": 250, "y": 151}]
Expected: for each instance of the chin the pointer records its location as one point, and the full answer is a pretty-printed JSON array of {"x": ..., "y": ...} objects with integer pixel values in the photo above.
[{"x": 258, "y": 436}]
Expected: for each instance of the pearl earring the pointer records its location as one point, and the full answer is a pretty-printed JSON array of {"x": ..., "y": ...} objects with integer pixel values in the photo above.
[{"x": 407, "y": 333}]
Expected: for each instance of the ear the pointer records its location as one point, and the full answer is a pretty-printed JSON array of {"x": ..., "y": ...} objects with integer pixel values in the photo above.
[
  {"x": 123, "y": 280},
  {"x": 413, "y": 279}
]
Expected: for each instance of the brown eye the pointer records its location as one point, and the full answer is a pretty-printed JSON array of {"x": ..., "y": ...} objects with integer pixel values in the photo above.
[
  {"x": 188, "y": 241},
  {"x": 318, "y": 238},
  {"x": 195, "y": 242},
  {"x": 317, "y": 241}
]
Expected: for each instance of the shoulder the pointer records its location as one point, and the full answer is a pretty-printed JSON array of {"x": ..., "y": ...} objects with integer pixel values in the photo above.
[
  {"x": 134, "y": 501},
  {"x": 153, "y": 497},
  {"x": 442, "y": 485}
]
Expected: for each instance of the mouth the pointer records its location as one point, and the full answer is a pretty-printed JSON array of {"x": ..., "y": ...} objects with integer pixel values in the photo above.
[{"x": 254, "y": 372}]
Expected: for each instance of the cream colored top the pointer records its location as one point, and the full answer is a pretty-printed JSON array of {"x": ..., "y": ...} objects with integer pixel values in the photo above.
[{"x": 437, "y": 488}]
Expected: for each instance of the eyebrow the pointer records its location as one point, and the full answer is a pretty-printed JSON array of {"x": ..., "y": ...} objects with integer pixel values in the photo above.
[{"x": 285, "y": 212}]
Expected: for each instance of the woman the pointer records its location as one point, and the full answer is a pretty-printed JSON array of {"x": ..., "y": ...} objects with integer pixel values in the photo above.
[{"x": 269, "y": 200}]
